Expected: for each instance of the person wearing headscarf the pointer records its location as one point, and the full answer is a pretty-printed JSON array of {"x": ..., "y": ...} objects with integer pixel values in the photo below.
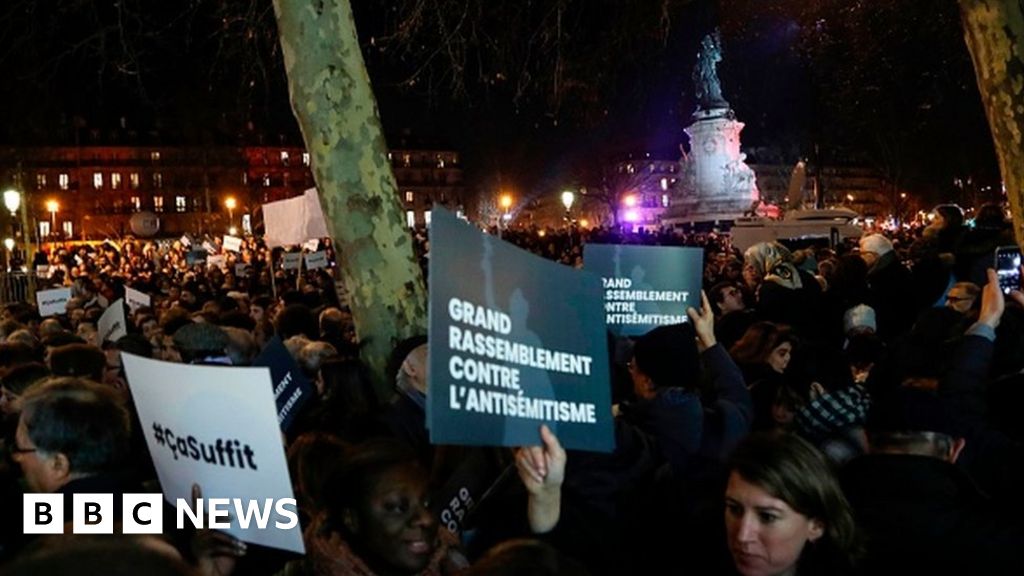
[{"x": 785, "y": 294}]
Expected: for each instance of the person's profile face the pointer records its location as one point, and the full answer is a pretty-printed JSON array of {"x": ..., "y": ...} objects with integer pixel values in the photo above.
[{"x": 779, "y": 357}]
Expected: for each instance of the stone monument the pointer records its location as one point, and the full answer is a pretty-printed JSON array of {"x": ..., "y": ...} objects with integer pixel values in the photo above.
[{"x": 715, "y": 183}]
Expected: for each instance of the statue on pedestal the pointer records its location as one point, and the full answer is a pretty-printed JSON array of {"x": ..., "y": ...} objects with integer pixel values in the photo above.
[{"x": 705, "y": 75}]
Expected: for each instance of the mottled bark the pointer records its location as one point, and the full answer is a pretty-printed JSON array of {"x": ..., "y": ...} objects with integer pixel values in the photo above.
[
  {"x": 994, "y": 31},
  {"x": 337, "y": 113}
]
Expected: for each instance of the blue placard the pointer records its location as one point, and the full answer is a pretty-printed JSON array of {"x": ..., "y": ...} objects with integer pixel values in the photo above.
[
  {"x": 291, "y": 387},
  {"x": 515, "y": 341},
  {"x": 645, "y": 286}
]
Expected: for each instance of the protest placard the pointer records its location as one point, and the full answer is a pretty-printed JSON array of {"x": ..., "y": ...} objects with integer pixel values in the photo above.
[
  {"x": 185, "y": 240},
  {"x": 193, "y": 257},
  {"x": 241, "y": 269},
  {"x": 645, "y": 286},
  {"x": 216, "y": 426},
  {"x": 291, "y": 260},
  {"x": 515, "y": 341},
  {"x": 311, "y": 245},
  {"x": 291, "y": 388},
  {"x": 232, "y": 243},
  {"x": 52, "y": 302},
  {"x": 316, "y": 260},
  {"x": 209, "y": 247},
  {"x": 216, "y": 261},
  {"x": 43, "y": 271},
  {"x": 136, "y": 299},
  {"x": 111, "y": 325}
]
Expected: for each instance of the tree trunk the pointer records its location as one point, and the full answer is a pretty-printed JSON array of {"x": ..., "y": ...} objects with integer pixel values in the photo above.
[
  {"x": 337, "y": 113},
  {"x": 994, "y": 31}
]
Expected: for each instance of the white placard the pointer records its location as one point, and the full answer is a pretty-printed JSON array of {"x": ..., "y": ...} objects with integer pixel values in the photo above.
[
  {"x": 188, "y": 411},
  {"x": 136, "y": 299},
  {"x": 216, "y": 261},
  {"x": 291, "y": 261},
  {"x": 311, "y": 245},
  {"x": 185, "y": 240},
  {"x": 111, "y": 325},
  {"x": 43, "y": 271},
  {"x": 53, "y": 301},
  {"x": 233, "y": 243},
  {"x": 209, "y": 247},
  {"x": 316, "y": 260}
]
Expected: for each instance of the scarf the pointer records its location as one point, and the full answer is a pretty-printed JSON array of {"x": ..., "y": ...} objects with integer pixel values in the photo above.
[{"x": 774, "y": 263}]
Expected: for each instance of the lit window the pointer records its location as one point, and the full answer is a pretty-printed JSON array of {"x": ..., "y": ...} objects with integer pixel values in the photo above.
[
  {"x": 133, "y": 180},
  {"x": 389, "y": 156},
  {"x": 440, "y": 161},
  {"x": 40, "y": 181},
  {"x": 69, "y": 229},
  {"x": 406, "y": 159},
  {"x": 664, "y": 200},
  {"x": 97, "y": 180},
  {"x": 410, "y": 218},
  {"x": 154, "y": 156},
  {"x": 426, "y": 218},
  {"x": 158, "y": 203},
  {"x": 158, "y": 180},
  {"x": 664, "y": 184},
  {"x": 630, "y": 169},
  {"x": 408, "y": 195},
  {"x": 245, "y": 179},
  {"x": 305, "y": 158},
  {"x": 266, "y": 180},
  {"x": 44, "y": 229},
  {"x": 284, "y": 157},
  {"x": 62, "y": 181},
  {"x": 115, "y": 180},
  {"x": 179, "y": 204},
  {"x": 136, "y": 203}
]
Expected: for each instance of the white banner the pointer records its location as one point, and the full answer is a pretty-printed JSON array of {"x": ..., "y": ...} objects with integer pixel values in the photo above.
[
  {"x": 311, "y": 245},
  {"x": 232, "y": 243},
  {"x": 136, "y": 299},
  {"x": 216, "y": 261},
  {"x": 316, "y": 260},
  {"x": 53, "y": 301},
  {"x": 291, "y": 261},
  {"x": 295, "y": 220},
  {"x": 216, "y": 426},
  {"x": 111, "y": 325}
]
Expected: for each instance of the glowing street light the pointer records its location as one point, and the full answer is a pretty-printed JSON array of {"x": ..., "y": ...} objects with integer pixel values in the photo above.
[
  {"x": 12, "y": 200},
  {"x": 506, "y": 201},
  {"x": 567, "y": 199},
  {"x": 629, "y": 200},
  {"x": 230, "y": 203},
  {"x": 52, "y": 206}
]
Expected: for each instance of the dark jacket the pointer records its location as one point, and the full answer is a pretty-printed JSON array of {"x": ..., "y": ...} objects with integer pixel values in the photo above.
[
  {"x": 923, "y": 515},
  {"x": 801, "y": 308},
  {"x": 890, "y": 293},
  {"x": 685, "y": 426}
]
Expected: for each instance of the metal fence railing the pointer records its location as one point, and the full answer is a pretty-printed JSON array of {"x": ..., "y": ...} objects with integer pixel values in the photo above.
[{"x": 14, "y": 287}]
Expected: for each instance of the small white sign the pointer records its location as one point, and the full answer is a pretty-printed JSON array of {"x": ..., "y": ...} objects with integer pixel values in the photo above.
[
  {"x": 209, "y": 247},
  {"x": 316, "y": 260},
  {"x": 111, "y": 325},
  {"x": 216, "y": 261},
  {"x": 292, "y": 261},
  {"x": 311, "y": 245},
  {"x": 233, "y": 243},
  {"x": 136, "y": 299},
  {"x": 185, "y": 240},
  {"x": 53, "y": 302},
  {"x": 216, "y": 426}
]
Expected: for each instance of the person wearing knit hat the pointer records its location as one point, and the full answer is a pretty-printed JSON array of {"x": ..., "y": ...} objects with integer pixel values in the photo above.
[{"x": 665, "y": 372}]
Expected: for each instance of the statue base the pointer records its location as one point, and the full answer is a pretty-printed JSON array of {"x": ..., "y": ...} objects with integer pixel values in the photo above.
[{"x": 715, "y": 183}]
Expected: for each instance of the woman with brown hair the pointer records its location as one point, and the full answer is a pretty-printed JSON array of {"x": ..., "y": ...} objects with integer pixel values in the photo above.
[{"x": 785, "y": 513}]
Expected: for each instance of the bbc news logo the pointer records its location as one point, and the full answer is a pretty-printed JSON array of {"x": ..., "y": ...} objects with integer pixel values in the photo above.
[{"x": 144, "y": 513}]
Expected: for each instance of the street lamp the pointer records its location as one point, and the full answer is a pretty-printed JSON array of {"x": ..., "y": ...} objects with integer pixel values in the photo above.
[
  {"x": 12, "y": 201},
  {"x": 230, "y": 203},
  {"x": 567, "y": 199},
  {"x": 52, "y": 206},
  {"x": 9, "y": 244}
]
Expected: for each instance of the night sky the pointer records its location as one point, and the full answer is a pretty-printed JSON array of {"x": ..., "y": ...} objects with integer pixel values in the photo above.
[{"x": 890, "y": 87}]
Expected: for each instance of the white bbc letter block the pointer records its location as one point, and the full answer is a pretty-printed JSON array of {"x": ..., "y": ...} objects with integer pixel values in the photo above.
[
  {"x": 43, "y": 514},
  {"x": 93, "y": 514},
  {"x": 142, "y": 514}
]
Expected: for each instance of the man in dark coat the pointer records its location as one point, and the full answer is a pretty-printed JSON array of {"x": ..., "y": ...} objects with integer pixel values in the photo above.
[{"x": 889, "y": 287}]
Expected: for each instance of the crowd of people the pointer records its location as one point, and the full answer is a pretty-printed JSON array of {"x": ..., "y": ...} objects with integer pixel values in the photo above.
[{"x": 832, "y": 410}]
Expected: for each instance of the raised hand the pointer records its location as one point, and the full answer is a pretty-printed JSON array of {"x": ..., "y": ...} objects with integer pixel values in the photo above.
[
  {"x": 542, "y": 470},
  {"x": 216, "y": 553},
  {"x": 703, "y": 322}
]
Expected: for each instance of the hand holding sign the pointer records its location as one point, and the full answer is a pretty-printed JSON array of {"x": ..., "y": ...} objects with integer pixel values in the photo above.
[
  {"x": 542, "y": 470},
  {"x": 215, "y": 552},
  {"x": 703, "y": 323}
]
